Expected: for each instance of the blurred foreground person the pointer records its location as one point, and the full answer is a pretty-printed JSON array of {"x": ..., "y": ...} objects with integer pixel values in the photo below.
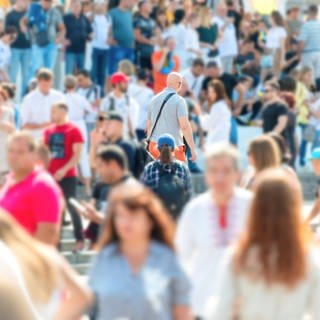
[
  {"x": 29, "y": 193},
  {"x": 48, "y": 286},
  {"x": 272, "y": 272},
  {"x": 136, "y": 274},
  {"x": 219, "y": 215}
]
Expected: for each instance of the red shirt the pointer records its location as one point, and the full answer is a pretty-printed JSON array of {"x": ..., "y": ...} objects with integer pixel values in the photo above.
[
  {"x": 36, "y": 199},
  {"x": 60, "y": 139}
]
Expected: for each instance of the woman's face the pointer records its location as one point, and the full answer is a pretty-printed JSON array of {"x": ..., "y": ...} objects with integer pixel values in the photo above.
[
  {"x": 308, "y": 77},
  {"x": 212, "y": 95},
  {"x": 162, "y": 19},
  {"x": 131, "y": 226}
]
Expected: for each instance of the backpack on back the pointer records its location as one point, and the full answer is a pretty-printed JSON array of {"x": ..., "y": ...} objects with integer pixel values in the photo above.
[{"x": 171, "y": 190}]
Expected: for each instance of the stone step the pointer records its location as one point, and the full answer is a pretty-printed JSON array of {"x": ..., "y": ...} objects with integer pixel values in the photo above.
[{"x": 79, "y": 257}]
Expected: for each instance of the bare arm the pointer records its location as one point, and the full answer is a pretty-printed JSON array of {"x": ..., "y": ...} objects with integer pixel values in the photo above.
[
  {"x": 282, "y": 124},
  {"x": 7, "y": 127},
  {"x": 182, "y": 313},
  {"x": 35, "y": 126},
  {"x": 158, "y": 66},
  {"x": 48, "y": 233},
  {"x": 148, "y": 128},
  {"x": 141, "y": 39},
  {"x": 188, "y": 135}
]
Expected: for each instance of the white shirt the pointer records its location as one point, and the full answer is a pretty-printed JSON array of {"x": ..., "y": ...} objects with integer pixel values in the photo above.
[
  {"x": 199, "y": 241},
  {"x": 262, "y": 302},
  {"x": 78, "y": 106},
  {"x": 101, "y": 25},
  {"x": 194, "y": 83},
  {"x": 192, "y": 43},
  {"x": 92, "y": 94},
  {"x": 228, "y": 45},
  {"x": 217, "y": 123},
  {"x": 274, "y": 37},
  {"x": 5, "y": 55},
  {"x": 36, "y": 108},
  {"x": 142, "y": 95}
]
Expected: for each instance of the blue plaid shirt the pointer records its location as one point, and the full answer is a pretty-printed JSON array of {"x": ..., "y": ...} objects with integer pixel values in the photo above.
[{"x": 150, "y": 176}]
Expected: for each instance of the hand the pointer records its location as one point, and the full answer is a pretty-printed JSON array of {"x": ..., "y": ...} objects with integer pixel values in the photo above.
[
  {"x": 60, "y": 174},
  {"x": 46, "y": 124},
  {"x": 193, "y": 157},
  {"x": 91, "y": 213},
  {"x": 66, "y": 42}
]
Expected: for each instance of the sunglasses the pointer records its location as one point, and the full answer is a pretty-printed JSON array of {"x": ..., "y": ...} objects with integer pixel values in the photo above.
[{"x": 101, "y": 118}]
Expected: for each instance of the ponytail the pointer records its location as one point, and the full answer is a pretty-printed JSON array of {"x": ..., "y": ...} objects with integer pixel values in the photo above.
[{"x": 165, "y": 154}]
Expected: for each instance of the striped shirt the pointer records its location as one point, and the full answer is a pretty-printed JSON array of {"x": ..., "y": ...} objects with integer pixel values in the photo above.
[{"x": 310, "y": 35}]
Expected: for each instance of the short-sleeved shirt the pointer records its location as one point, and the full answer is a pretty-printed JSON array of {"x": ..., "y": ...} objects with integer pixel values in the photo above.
[
  {"x": 146, "y": 27},
  {"x": 174, "y": 109},
  {"x": 122, "y": 27},
  {"x": 310, "y": 35},
  {"x": 151, "y": 294},
  {"x": 36, "y": 199},
  {"x": 77, "y": 32},
  {"x": 271, "y": 114},
  {"x": 60, "y": 140}
]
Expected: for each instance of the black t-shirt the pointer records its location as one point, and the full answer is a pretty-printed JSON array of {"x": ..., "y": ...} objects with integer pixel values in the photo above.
[
  {"x": 227, "y": 79},
  {"x": 13, "y": 19},
  {"x": 77, "y": 32},
  {"x": 270, "y": 116},
  {"x": 130, "y": 150},
  {"x": 289, "y": 55},
  {"x": 237, "y": 20}
]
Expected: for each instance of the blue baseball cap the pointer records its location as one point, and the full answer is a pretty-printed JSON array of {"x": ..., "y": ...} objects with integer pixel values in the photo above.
[
  {"x": 315, "y": 154},
  {"x": 166, "y": 139}
]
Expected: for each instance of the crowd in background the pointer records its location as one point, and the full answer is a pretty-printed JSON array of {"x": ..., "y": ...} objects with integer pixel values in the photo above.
[{"x": 106, "y": 111}]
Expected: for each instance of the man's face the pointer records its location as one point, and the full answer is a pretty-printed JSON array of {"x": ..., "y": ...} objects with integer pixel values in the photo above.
[
  {"x": 23, "y": 4},
  {"x": 45, "y": 86},
  {"x": 146, "y": 7},
  {"x": 57, "y": 114},
  {"x": 197, "y": 70},
  {"x": 213, "y": 72},
  {"x": 104, "y": 170},
  {"x": 114, "y": 128},
  {"x": 83, "y": 81},
  {"x": 19, "y": 156},
  {"x": 123, "y": 86},
  {"x": 76, "y": 8},
  {"x": 46, "y": 4},
  {"x": 171, "y": 44},
  {"x": 269, "y": 93},
  {"x": 221, "y": 175}
]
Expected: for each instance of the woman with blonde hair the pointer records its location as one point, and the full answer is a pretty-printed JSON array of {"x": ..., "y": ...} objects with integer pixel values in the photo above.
[
  {"x": 50, "y": 286},
  {"x": 273, "y": 272},
  {"x": 136, "y": 274}
]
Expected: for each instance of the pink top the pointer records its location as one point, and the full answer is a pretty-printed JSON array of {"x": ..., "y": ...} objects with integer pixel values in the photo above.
[{"x": 36, "y": 199}]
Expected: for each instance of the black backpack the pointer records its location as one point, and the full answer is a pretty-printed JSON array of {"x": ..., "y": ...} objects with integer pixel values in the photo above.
[
  {"x": 141, "y": 158},
  {"x": 171, "y": 190}
]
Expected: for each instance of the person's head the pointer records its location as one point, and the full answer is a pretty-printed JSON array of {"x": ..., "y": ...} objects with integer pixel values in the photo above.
[
  {"x": 136, "y": 215},
  {"x": 114, "y": 126},
  {"x": 3, "y": 97},
  {"x": 288, "y": 84},
  {"x": 276, "y": 19},
  {"x": 213, "y": 69},
  {"x": 126, "y": 67},
  {"x": 21, "y": 4},
  {"x": 59, "y": 113},
  {"x": 145, "y": 7},
  {"x": 42, "y": 155},
  {"x": 197, "y": 67},
  {"x": 142, "y": 76},
  {"x": 285, "y": 155},
  {"x": 46, "y": 4},
  {"x": 222, "y": 168},
  {"x": 306, "y": 76},
  {"x": 70, "y": 83},
  {"x": 247, "y": 46},
  {"x": 100, "y": 7},
  {"x": 194, "y": 20},
  {"x": 179, "y": 16},
  {"x": 205, "y": 16},
  {"x": 9, "y": 35},
  {"x": 271, "y": 91},
  {"x": 45, "y": 80},
  {"x": 102, "y": 121},
  {"x": 166, "y": 146},
  {"x": 75, "y": 7},
  {"x": 126, "y": 4},
  {"x": 216, "y": 91},
  {"x": 21, "y": 155},
  {"x": 33, "y": 84},
  {"x": 119, "y": 82},
  {"x": 246, "y": 81},
  {"x": 9, "y": 88},
  {"x": 222, "y": 10},
  {"x": 275, "y": 235},
  {"x": 293, "y": 12},
  {"x": 161, "y": 18},
  {"x": 83, "y": 79},
  {"x": 170, "y": 43},
  {"x": 313, "y": 11},
  {"x": 174, "y": 81},
  {"x": 111, "y": 164},
  {"x": 315, "y": 161},
  {"x": 263, "y": 153},
  {"x": 289, "y": 99}
]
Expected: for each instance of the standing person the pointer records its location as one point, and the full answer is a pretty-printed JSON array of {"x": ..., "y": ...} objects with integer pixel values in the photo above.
[
  {"x": 122, "y": 34},
  {"x": 173, "y": 120},
  {"x": 78, "y": 107},
  {"x": 310, "y": 41},
  {"x": 293, "y": 22},
  {"x": 285, "y": 287},
  {"x": 168, "y": 178},
  {"x": 78, "y": 32},
  {"x": 100, "y": 44},
  {"x": 220, "y": 214},
  {"x": 217, "y": 123},
  {"x": 31, "y": 190},
  {"x": 164, "y": 61},
  {"x": 21, "y": 47},
  {"x": 45, "y": 23},
  {"x": 144, "y": 32},
  {"x": 143, "y": 95},
  {"x": 36, "y": 106},
  {"x": 65, "y": 142},
  {"x": 136, "y": 246},
  {"x": 228, "y": 46}
]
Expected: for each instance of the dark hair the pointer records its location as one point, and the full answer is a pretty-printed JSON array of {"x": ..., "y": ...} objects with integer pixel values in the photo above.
[
  {"x": 283, "y": 147},
  {"x": 11, "y": 30},
  {"x": 219, "y": 89},
  {"x": 10, "y": 89},
  {"x": 61, "y": 106},
  {"x": 212, "y": 64},
  {"x": 277, "y": 18},
  {"x": 113, "y": 153},
  {"x": 179, "y": 15},
  {"x": 268, "y": 77},
  {"x": 288, "y": 84},
  {"x": 165, "y": 154},
  {"x": 274, "y": 85},
  {"x": 142, "y": 74},
  {"x": 84, "y": 73},
  {"x": 289, "y": 99},
  {"x": 44, "y": 74},
  {"x": 198, "y": 62}
]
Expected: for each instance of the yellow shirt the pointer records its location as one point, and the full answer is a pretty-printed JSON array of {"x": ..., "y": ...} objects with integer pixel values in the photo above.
[
  {"x": 5, "y": 4},
  {"x": 302, "y": 94},
  {"x": 264, "y": 7}
]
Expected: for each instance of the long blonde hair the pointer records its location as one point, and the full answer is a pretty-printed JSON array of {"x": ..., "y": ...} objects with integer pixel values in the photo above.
[
  {"x": 39, "y": 274},
  {"x": 205, "y": 17}
]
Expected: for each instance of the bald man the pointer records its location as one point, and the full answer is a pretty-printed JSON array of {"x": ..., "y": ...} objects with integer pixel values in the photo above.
[{"x": 173, "y": 119}]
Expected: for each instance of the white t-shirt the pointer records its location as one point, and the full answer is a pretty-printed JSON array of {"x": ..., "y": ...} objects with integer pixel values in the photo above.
[
  {"x": 5, "y": 55},
  {"x": 101, "y": 25},
  {"x": 192, "y": 43},
  {"x": 274, "y": 37},
  {"x": 6, "y": 115},
  {"x": 36, "y": 108},
  {"x": 92, "y": 94},
  {"x": 228, "y": 45},
  {"x": 142, "y": 95},
  {"x": 78, "y": 106},
  {"x": 194, "y": 83}
]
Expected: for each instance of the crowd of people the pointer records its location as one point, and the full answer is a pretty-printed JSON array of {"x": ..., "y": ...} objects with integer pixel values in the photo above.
[{"x": 106, "y": 109}]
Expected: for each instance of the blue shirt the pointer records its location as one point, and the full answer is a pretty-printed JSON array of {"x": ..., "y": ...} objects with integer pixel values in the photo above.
[
  {"x": 148, "y": 295},
  {"x": 310, "y": 35}
]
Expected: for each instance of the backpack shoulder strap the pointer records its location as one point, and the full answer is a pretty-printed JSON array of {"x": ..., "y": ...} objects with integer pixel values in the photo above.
[{"x": 112, "y": 103}]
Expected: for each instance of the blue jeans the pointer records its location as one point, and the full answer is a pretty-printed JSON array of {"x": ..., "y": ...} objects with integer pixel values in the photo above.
[
  {"x": 74, "y": 61},
  {"x": 303, "y": 146},
  {"x": 99, "y": 70},
  {"x": 117, "y": 54},
  {"x": 20, "y": 58},
  {"x": 44, "y": 57},
  {"x": 234, "y": 132}
]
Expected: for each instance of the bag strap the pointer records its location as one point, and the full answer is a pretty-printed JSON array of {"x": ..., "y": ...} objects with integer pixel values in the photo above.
[{"x": 159, "y": 114}]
